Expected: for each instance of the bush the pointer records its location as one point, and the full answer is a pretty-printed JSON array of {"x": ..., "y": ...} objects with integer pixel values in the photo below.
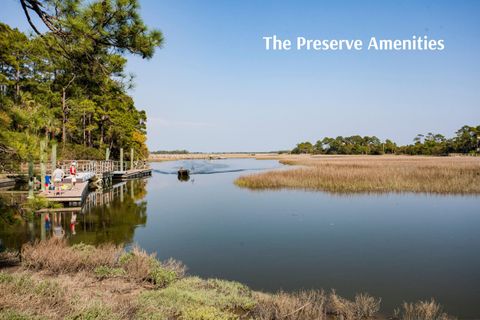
[
  {"x": 422, "y": 310},
  {"x": 103, "y": 272},
  {"x": 292, "y": 306},
  {"x": 56, "y": 256},
  {"x": 38, "y": 203},
  {"x": 143, "y": 267}
]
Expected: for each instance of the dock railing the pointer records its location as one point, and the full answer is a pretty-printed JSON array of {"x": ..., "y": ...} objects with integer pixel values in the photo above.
[{"x": 98, "y": 167}]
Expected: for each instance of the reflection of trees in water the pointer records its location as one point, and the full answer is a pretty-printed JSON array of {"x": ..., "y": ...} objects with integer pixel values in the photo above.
[
  {"x": 113, "y": 219},
  {"x": 14, "y": 229},
  {"x": 116, "y": 221}
]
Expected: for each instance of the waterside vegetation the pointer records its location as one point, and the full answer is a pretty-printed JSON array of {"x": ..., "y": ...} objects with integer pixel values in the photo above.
[
  {"x": 377, "y": 174},
  {"x": 57, "y": 281},
  {"x": 465, "y": 141}
]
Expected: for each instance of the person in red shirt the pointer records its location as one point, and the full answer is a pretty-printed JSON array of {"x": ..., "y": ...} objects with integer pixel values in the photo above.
[{"x": 73, "y": 173}]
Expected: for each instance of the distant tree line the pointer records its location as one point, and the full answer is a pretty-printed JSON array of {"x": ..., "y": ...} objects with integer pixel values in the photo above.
[
  {"x": 170, "y": 152},
  {"x": 465, "y": 141}
]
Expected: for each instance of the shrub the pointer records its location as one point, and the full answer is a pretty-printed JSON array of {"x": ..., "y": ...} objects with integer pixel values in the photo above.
[
  {"x": 363, "y": 306},
  {"x": 56, "y": 256},
  {"x": 422, "y": 310},
  {"x": 291, "y": 306},
  {"x": 144, "y": 267}
]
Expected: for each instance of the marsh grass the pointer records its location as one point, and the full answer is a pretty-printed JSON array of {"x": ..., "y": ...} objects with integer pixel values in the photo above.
[
  {"x": 57, "y": 256},
  {"x": 310, "y": 304},
  {"x": 144, "y": 267},
  {"x": 107, "y": 260},
  {"x": 108, "y": 283},
  {"x": 376, "y": 174},
  {"x": 422, "y": 310}
]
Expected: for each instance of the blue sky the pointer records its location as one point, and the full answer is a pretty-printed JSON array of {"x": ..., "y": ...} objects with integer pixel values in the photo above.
[{"x": 213, "y": 86}]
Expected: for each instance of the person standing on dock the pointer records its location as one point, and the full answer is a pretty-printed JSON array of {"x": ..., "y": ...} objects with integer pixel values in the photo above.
[
  {"x": 73, "y": 173},
  {"x": 57, "y": 179}
]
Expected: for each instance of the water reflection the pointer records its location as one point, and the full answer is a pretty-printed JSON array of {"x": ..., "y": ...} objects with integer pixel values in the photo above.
[
  {"x": 401, "y": 247},
  {"x": 107, "y": 216}
]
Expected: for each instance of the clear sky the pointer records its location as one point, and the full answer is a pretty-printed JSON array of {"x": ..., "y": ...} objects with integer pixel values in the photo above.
[{"x": 214, "y": 87}]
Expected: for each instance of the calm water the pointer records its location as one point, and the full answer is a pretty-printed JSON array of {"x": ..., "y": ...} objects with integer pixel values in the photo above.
[{"x": 401, "y": 247}]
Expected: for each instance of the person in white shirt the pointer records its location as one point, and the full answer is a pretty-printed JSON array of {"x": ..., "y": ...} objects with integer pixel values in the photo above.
[{"x": 57, "y": 176}]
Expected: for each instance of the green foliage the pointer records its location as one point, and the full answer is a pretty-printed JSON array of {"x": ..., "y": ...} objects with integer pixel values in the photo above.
[
  {"x": 108, "y": 272},
  {"x": 147, "y": 268},
  {"x": 303, "y": 147},
  {"x": 170, "y": 152},
  {"x": 125, "y": 258},
  {"x": 38, "y": 203},
  {"x": 162, "y": 277},
  {"x": 82, "y": 247},
  {"x": 69, "y": 85},
  {"x": 466, "y": 141},
  {"x": 207, "y": 313}
]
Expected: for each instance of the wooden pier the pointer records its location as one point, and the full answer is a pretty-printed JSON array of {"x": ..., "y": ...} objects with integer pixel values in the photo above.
[
  {"x": 6, "y": 182},
  {"x": 74, "y": 196},
  {"x": 90, "y": 172},
  {"x": 131, "y": 174}
]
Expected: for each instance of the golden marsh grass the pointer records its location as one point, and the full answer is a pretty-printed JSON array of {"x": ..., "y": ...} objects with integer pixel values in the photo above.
[{"x": 377, "y": 174}]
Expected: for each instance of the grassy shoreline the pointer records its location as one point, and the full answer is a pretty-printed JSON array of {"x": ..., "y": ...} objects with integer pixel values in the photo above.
[
  {"x": 372, "y": 174},
  {"x": 57, "y": 281}
]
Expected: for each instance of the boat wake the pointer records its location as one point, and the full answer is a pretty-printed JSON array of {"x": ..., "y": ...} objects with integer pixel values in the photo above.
[
  {"x": 204, "y": 167},
  {"x": 207, "y": 172}
]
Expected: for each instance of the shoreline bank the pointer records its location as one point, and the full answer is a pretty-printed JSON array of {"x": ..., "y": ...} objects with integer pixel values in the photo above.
[{"x": 86, "y": 282}]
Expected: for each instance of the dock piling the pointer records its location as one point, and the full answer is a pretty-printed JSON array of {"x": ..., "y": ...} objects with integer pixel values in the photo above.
[
  {"x": 121, "y": 159},
  {"x": 53, "y": 157},
  {"x": 131, "y": 159},
  {"x": 43, "y": 170}
]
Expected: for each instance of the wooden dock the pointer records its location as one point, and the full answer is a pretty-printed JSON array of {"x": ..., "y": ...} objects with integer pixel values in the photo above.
[
  {"x": 71, "y": 197},
  {"x": 99, "y": 174},
  {"x": 6, "y": 182},
  {"x": 131, "y": 174}
]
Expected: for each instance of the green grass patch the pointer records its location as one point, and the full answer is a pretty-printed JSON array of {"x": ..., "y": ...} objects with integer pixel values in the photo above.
[
  {"x": 103, "y": 272},
  {"x": 194, "y": 298},
  {"x": 95, "y": 312},
  {"x": 10, "y": 314}
]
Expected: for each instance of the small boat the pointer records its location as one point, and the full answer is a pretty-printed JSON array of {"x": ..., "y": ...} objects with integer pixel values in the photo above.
[{"x": 183, "y": 174}]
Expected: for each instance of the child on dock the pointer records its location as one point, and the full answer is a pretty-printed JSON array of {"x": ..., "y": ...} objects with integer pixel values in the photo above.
[
  {"x": 57, "y": 179},
  {"x": 73, "y": 173}
]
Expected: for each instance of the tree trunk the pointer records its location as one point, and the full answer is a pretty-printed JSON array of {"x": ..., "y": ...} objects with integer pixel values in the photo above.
[
  {"x": 101, "y": 134},
  {"x": 84, "y": 140},
  {"x": 17, "y": 85},
  {"x": 90, "y": 131},
  {"x": 64, "y": 117}
]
